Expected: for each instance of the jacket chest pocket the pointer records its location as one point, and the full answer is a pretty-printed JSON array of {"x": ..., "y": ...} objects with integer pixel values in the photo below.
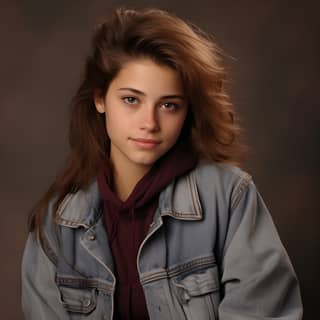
[
  {"x": 76, "y": 300},
  {"x": 198, "y": 294}
]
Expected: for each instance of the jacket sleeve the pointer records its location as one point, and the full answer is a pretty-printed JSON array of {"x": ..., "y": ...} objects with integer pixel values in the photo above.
[
  {"x": 257, "y": 278},
  {"x": 40, "y": 294}
]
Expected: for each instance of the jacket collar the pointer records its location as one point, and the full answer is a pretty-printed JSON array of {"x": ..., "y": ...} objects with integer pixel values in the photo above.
[{"x": 180, "y": 200}]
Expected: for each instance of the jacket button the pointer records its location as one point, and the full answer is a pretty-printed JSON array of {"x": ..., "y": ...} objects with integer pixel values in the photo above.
[
  {"x": 91, "y": 237},
  {"x": 86, "y": 302}
]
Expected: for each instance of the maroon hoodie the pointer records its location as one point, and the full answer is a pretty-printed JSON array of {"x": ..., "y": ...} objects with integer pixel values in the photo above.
[{"x": 127, "y": 224}]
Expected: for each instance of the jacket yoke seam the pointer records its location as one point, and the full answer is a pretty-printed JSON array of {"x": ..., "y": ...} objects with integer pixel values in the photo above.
[
  {"x": 180, "y": 269},
  {"x": 246, "y": 179}
]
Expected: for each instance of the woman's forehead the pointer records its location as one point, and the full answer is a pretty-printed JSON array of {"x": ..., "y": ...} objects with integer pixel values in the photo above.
[{"x": 145, "y": 76}]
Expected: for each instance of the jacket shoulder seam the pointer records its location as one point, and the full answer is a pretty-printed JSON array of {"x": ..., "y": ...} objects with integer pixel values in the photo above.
[{"x": 246, "y": 178}]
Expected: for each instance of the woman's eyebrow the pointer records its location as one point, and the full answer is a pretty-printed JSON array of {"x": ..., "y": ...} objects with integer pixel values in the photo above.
[{"x": 169, "y": 96}]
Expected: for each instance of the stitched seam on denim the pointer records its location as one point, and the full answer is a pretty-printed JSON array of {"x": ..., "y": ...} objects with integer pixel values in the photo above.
[
  {"x": 197, "y": 198},
  {"x": 240, "y": 190},
  {"x": 194, "y": 195},
  {"x": 210, "y": 307},
  {"x": 74, "y": 223},
  {"x": 99, "y": 214},
  {"x": 64, "y": 203},
  {"x": 84, "y": 283},
  {"x": 169, "y": 274},
  {"x": 78, "y": 223},
  {"x": 187, "y": 215},
  {"x": 48, "y": 250},
  {"x": 172, "y": 272},
  {"x": 80, "y": 309}
]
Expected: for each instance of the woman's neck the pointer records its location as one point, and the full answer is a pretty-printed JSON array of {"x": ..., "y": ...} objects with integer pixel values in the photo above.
[{"x": 126, "y": 178}]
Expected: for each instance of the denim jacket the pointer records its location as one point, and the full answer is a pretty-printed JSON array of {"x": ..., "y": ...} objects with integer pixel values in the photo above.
[{"x": 211, "y": 252}]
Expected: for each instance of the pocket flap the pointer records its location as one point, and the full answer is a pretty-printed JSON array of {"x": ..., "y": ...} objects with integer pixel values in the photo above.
[
  {"x": 78, "y": 300},
  {"x": 197, "y": 284}
]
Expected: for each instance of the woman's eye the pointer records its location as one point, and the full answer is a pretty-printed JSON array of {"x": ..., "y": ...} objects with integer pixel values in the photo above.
[
  {"x": 130, "y": 100},
  {"x": 170, "y": 106}
]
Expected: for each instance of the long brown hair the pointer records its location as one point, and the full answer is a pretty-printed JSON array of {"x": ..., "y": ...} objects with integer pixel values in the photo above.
[{"x": 210, "y": 129}]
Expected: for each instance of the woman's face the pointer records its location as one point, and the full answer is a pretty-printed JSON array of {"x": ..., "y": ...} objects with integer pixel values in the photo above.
[{"x": 145, "y": 109}]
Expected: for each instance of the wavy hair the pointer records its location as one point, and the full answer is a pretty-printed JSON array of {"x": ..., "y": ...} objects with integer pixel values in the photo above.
[{"x": 210, "y": 128}]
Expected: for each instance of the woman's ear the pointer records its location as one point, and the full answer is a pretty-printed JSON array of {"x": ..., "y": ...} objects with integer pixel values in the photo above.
[{"x": 99, "y": 102}]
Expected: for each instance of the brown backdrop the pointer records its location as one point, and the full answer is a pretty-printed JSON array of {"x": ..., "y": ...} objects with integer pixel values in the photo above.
[{"x": 273, "y": 49}]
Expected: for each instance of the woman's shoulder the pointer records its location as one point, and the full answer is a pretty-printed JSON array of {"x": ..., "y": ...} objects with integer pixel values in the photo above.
[
  {"x": 222, "y": 182},
  {"x": 76, "y": 209},
  {"x": 220, "y": 172}
]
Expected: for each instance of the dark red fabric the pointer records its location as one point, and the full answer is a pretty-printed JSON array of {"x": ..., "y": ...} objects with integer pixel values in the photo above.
[{"x": 127, "y": 223}]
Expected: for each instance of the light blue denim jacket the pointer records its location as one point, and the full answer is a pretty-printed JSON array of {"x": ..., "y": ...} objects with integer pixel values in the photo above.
[{"x": 211, "y": 252}]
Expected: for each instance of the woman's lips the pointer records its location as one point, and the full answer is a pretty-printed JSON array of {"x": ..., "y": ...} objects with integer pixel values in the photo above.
[{"x": 145, "y": 143}]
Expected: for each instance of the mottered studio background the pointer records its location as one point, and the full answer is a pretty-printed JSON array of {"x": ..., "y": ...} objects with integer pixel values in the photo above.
[{"x": 273, "y": 54}]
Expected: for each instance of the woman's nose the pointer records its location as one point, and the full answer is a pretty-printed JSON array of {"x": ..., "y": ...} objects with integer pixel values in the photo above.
[{"x": 149, "y": 119}]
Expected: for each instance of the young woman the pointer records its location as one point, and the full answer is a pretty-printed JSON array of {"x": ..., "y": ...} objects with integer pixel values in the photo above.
[{"x": 152, "y": 217}]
